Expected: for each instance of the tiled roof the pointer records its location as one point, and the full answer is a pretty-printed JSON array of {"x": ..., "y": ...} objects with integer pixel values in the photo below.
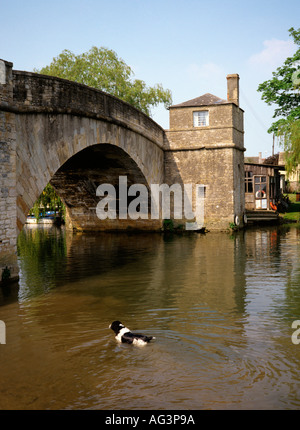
[{"x": 205, "y": 100}]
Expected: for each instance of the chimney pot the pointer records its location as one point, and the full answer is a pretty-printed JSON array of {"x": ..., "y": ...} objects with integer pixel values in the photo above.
[{"x": 233, "y": 90}]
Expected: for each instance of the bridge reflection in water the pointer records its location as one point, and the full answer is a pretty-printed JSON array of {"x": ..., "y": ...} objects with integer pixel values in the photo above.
[{"x": 221, "y": 309}]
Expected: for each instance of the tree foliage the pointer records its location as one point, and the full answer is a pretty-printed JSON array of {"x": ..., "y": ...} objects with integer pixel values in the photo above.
[
  {"x": 289, "y": 133},
  {"x": 283, "y": 90},
  {"x": 101, "y": 68},
  {"x": 48, "y": 201}
]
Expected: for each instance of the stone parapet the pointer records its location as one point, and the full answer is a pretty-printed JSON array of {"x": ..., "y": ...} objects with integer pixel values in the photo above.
[{"x": 35, "y": 93}]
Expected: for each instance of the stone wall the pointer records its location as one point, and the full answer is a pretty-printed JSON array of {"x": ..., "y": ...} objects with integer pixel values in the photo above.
[
  {"x": 8, "y": 231},
  {"x": 225, "y": 128},
  {"x": 212, "y": 156}
]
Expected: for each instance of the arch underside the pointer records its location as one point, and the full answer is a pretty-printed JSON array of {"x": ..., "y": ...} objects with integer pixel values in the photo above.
[
  {"x": 76, "y": 182},
  {"x": 76, "y": 155}
]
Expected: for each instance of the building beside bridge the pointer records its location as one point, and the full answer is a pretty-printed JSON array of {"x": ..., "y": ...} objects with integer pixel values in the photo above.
[{"x": 206, "y": 146}]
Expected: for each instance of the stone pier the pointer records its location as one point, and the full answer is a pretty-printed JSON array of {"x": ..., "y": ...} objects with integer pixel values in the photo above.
[{"x": 8, "y": 189}]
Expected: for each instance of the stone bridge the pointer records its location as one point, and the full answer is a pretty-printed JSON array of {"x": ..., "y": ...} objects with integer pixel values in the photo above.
[{"x": 76, "y": 137}]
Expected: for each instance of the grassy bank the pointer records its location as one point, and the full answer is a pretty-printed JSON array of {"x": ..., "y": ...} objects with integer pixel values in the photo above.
[{"x": 293, "y": 213}]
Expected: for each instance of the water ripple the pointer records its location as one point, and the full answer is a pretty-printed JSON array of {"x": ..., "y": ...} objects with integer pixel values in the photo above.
[{"x": 220, "y": 308}]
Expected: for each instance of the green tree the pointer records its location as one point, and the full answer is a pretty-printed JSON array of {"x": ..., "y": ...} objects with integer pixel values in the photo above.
[
  {"x": 102, "y": 69},
  {"x": 48, "y": 201},
  {"x": 283, "y": 90}
]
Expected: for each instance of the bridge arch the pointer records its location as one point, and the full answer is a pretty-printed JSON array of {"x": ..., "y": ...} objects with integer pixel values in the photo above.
[
  {"x": 77, "y": 180},
  {"x": 50, "y": 146},
  {"x": 57, "y": 121}
]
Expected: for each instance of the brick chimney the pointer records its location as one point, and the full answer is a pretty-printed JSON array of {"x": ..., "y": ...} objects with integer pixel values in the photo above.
[{"x": 233, "y": 88}]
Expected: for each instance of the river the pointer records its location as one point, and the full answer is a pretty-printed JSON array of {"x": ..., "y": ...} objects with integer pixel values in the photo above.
[{"x": 221, "y": 308}]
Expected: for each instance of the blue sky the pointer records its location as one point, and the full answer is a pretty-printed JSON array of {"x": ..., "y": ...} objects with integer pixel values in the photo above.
[{"x": 189, "y": 46}]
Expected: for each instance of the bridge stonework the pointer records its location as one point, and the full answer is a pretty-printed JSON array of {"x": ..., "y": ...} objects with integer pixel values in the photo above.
[
  {"x": 76, "y": 138},
  {"x": 8, "y": 190}
]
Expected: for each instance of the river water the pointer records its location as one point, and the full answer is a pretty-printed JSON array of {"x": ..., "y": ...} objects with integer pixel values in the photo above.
[{"x": 220, "y": 306}]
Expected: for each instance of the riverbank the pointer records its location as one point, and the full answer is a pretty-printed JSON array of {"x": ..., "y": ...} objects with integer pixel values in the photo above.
[{"x": 293, "y": 212}]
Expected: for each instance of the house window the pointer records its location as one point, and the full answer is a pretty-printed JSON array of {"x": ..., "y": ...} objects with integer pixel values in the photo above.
[
  {"x": 200, "y": 118},
  {"x": 248, "y": 182}
]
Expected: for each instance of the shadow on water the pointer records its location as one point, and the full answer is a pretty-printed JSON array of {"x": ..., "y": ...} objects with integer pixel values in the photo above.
[{"x": 50, "y": 256}]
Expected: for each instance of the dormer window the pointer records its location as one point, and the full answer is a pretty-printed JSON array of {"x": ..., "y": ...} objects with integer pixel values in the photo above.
[{"x": 201, "y": 118}]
